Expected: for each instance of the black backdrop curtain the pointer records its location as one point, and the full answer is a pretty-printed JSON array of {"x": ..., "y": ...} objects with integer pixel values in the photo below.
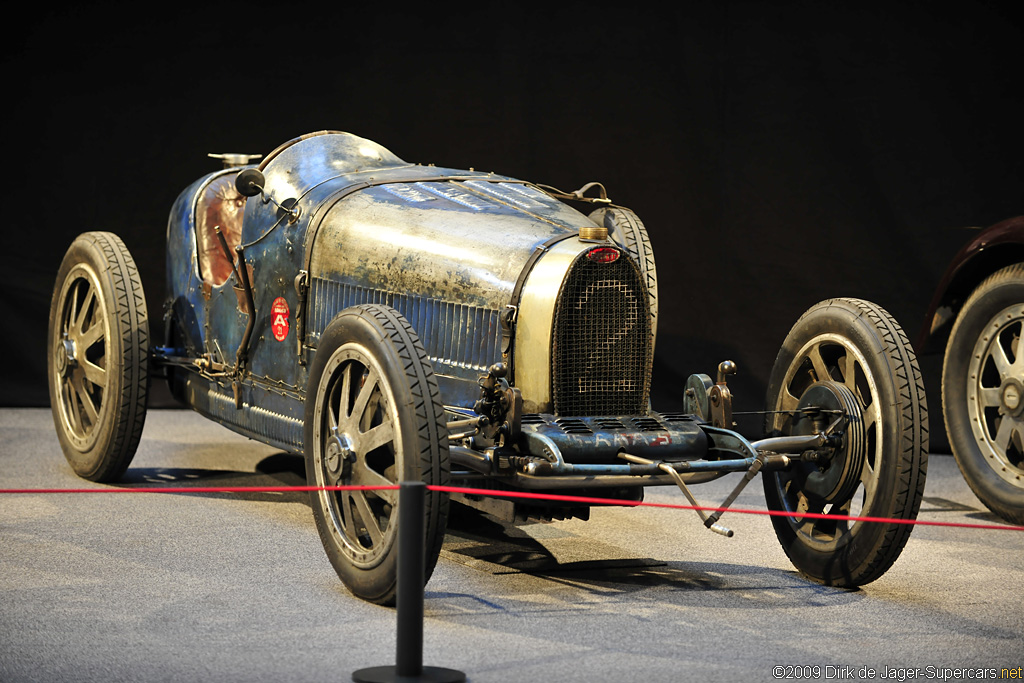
[{"x": 779, "y": 153}]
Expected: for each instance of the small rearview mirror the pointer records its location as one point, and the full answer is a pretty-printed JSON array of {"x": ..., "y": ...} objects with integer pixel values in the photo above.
[{"x": 249, "y": 182}]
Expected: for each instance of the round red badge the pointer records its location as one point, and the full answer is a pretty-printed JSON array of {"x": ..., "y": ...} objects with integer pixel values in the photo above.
[{"x": 279, "y": 318}]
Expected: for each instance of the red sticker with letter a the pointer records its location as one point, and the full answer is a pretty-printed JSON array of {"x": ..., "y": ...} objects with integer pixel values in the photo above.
[{"x": 279, "y": 318}]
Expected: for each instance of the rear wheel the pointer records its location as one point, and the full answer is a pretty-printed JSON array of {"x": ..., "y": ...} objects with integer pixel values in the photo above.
[
  {"x": 983, "y": 392},
  {"x": 97, "y": 356},
  {"x": 850, "y": 356},
  {"x": 373, "y": 418}
]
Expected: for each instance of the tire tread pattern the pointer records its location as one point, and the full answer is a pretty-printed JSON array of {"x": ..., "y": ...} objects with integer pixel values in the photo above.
[
  {"x": 133, "y": 329},
  {"x": 421, "y": 405},
  {"x": 130, "y": 323},
  {"x": 430, "y": 420},
  {"x": 913, "y": 465},
  {"x": 912, "y": 434}
]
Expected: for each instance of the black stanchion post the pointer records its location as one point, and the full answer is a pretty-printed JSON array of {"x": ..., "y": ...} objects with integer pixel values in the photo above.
[
  {"x": 409, "y": 642},
  {"x": 411, "y": 568}
]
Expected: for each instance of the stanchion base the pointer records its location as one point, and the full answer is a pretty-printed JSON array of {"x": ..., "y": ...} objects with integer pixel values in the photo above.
[{"x": 389, "y": 674}]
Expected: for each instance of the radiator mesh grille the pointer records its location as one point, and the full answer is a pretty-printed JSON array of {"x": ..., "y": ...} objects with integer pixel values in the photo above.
[{"x": 601, "y": 350}]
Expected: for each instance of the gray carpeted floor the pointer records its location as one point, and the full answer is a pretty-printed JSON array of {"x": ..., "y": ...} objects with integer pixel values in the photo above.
[{"x": 236, "y": 587}]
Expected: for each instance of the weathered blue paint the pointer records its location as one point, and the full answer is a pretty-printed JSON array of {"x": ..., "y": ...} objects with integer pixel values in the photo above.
[{"x": 445, "y": 247}]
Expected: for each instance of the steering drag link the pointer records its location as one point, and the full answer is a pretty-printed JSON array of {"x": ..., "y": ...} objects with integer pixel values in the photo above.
[
  {"x": 710, "y": 521},
  {"x": 763, "y": 455}
]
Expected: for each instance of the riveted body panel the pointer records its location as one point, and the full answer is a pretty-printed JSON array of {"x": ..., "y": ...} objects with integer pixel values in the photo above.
[{"x": 474, "y": 261}]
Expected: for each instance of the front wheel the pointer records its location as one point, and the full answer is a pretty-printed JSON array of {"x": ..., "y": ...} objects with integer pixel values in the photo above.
[
  {"x": 848, "y": 356},
  {"x": 983, "y": 392},
  {"x": 373, "y": 419}
]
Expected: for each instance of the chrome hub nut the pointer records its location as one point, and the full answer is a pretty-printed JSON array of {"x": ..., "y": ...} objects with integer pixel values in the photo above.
[{"x": 1011, "y": 395}]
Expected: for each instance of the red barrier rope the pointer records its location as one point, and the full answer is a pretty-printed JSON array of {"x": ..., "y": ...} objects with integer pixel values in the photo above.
[
  {"x": 520, "y": 494},
  {"x": 208, "y": 489},
  {"x": 742, "y": 511}
]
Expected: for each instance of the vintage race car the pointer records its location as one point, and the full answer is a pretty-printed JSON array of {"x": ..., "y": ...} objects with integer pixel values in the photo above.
[
  {"x": 976, "y": 318},
  {"x": 397, "y": 322}
]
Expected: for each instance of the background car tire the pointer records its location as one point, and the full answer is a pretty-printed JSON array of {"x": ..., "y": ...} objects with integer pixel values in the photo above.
[
  {"x": 885, "y": 379},
  {"x": 373, "y": 417},
  {"x": 97, "y": 356},
  {"x": 627, "y": 230},
  {"x": 986, "y": 433}
]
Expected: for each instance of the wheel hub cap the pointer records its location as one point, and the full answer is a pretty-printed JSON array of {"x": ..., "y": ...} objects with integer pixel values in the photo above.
[
  {"x": 838, "y": 479},
  {"x": 1012, "y": 396},
  {"x": 338, "y": 455},
  {"x": 65, "y": 357}
]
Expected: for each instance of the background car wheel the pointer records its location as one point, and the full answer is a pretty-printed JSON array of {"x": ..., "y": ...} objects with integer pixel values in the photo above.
[
  {"x": 627, "y": 230},
  {"x": 983, "y": 392},
  {"x": 97, "y": 356},
  {"x": 858, "y": 346},
  {"x": 373, "y": 418}
]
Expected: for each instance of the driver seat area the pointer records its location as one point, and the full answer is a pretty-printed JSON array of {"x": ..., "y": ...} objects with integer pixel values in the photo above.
[{"x": 219, "y": 204}]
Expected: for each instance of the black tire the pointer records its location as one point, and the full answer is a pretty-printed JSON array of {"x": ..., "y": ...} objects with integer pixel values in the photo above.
[
  {"x": 627, "y": 230},
  {"x": 858, "y": 345},
  {"x": 98, "y": 357},
  {"x": 983, "y": 392},
  {"x": 392, "y": 429}
]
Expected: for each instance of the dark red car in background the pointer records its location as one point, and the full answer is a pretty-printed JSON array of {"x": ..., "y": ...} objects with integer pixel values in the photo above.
[{"x": 977, "y": 318}]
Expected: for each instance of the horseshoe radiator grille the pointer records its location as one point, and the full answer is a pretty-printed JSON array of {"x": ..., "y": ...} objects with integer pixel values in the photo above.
[{"x": 601, "y": 345}]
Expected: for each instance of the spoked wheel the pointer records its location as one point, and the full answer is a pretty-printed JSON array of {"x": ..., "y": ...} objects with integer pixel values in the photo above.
[
  {"x": 97, "y": 356},
  {"x": 373, "y": 418},
  {"x": 983, "y": 392},
  {"x": 847, "y": 356}
]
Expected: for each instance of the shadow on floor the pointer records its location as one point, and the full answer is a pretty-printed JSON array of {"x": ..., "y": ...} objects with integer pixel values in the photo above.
[
  {"x": 279, "y": 469},
  {"x": 483, "y": 543}
]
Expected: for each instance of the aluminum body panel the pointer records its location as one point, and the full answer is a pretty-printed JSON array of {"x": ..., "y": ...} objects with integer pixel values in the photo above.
[
  {"x": 184, "y": 298},
  {"x": 444, "y": 247},
  {"x": 211, "y": 322},
  {"x": 378, "y": 239},
  {"x": 267, "y": 414},
  {"x": 449, "y": 269},
  {"x": 534, "y": 324}
]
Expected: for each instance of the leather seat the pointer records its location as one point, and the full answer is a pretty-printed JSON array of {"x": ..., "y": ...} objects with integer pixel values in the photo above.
[{"x": 220, "y": 204}]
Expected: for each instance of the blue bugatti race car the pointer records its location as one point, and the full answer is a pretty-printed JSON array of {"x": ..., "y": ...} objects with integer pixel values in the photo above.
[{"x": 398, "y": 322}]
